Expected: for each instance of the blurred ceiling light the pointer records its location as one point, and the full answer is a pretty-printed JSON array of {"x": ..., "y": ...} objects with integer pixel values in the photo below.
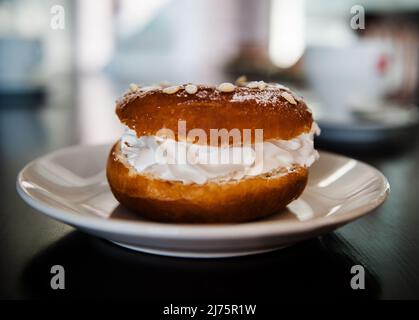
[
  {"x": 95, "y": 39},
  {"x": 287, "y": 37},
  {"x": 134, "y": 15}
]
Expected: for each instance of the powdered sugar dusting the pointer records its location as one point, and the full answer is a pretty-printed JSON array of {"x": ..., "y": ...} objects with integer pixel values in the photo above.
[{"x": 262, "y": 97}]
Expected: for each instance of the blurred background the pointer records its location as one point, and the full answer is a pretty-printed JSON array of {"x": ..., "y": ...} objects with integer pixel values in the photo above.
[{"x": 63, "y": 63}]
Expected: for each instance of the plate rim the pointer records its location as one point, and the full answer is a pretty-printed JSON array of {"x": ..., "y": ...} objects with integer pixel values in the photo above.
[{"x": 161, "y": 230}]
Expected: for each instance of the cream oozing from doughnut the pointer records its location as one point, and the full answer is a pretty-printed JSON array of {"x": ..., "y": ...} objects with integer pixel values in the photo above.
[{"x": 144, "y": 155}]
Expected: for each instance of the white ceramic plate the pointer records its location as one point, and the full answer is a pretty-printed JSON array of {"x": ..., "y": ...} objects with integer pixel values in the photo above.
[{"x": 69, "y": 185}]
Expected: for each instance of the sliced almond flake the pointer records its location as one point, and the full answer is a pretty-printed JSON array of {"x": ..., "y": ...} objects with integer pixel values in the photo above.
[
  {"x": 261, "y": 85},
  {"x": 288, "y": 97},
  {"x": 241, "y": 81},
  {"x": 133, "y": 87},
  {"x": 226, "y": 87},
  {"x": 171, "y": 90},
  {"x": 191, "y": 89},
  {"x": 280, "y": 86}
]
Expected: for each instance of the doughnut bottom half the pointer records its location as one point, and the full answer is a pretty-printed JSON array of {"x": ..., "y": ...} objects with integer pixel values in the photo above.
[{"x": 170, "y": 201}]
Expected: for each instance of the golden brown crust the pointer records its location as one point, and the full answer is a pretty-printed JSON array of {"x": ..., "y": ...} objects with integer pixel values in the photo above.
[
  {"x": 161, "y": 200},
  {"x": 146, "y": 112}
]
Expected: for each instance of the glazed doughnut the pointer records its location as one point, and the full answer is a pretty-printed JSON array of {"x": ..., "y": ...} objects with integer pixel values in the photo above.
[
  {"x": 205, "y": 192},
  {"x": 147, "y": 111}
]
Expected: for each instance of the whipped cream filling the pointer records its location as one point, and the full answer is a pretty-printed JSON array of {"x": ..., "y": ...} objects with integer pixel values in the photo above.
[{"x": 186, "y": 162}]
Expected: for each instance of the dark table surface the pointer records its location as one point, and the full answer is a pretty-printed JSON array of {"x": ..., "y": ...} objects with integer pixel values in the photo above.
[{"x": 385, "y": 242}]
